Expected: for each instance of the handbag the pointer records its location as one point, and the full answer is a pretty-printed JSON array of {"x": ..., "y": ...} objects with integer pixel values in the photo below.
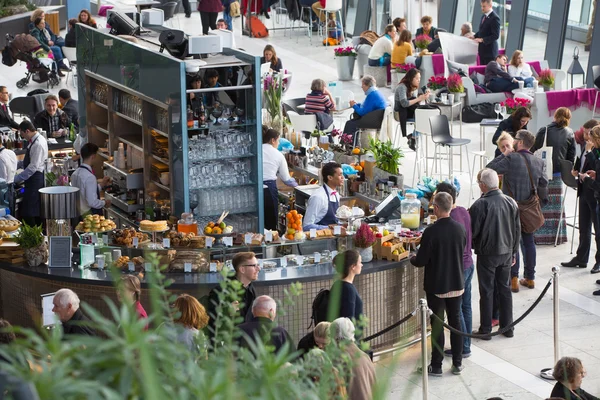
[
  {"x": 234, "y": 9},
  {"x": 530, "y": 210},
  {"x": 545, "y": 154}
]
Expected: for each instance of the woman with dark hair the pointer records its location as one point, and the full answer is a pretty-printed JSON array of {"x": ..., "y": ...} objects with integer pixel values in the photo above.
[
  {"x": 86, "y": 18},
  {"x": 211, "y": 78},
  {"x": 270, "y": 56},
  {"x": 344, "y": 297},
  {"x": 320, "y": 102},
  {"x": 274, "y": 166},
  {"x": 407, "y": 97},
  {"x": 517, "y": 121},
  {"x": 195, "y": 99},
  {"x": 402, "y": 49},
  {"x": 569, "y": 374}
]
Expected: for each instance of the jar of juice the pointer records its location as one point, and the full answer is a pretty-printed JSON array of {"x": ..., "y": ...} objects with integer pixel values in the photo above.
[
  {"x": 187, "y": 224},
  {"x": 410, "y": 208}
]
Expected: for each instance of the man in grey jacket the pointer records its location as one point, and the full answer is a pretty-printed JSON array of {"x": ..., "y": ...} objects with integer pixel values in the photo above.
[
  {"x": 496, "y": 233},
  {"x": 516, "y": 183}
]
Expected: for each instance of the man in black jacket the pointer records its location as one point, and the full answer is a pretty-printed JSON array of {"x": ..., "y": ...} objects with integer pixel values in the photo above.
[
  {"x": 488, "y": 34},
  {"x": 69, "y": 106},
  {"x": 66, "y": 307},
  {"x": 262, "y": 327},
  {"x": 441, "y": 253},
  {"x": 5, "y": 117},
  {"x": 496, "y": 234}
]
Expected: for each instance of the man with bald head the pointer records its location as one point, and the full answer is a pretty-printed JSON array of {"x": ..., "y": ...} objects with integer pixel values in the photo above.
[{"x": 263, "y": 327}]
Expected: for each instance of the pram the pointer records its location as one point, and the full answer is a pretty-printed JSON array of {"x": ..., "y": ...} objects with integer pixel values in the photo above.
[{"x": 22, "y": 48}]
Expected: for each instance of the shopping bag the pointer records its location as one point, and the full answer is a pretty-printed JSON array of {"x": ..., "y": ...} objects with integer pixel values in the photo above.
[{"x": 545, "y": 154}]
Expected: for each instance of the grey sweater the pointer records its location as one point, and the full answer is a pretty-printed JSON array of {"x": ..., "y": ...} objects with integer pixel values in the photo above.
[
  {"x": 493, "y": 70},
  {"x": 401, "y": 97}
]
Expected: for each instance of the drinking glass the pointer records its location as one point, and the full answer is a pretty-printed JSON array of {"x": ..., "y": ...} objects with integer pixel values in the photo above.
[
  {"x": 193, "y": 200},
  {"x": 503, "y": 110},
  {"x": 497, "y": 109}
]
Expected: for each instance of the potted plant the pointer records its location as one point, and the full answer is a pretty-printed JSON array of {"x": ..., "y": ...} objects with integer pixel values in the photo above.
[
  {"x": 401, "y": 70},
  {"x": 455, "y": 86},
  {"x": 272, "y": 92},
  {"x": 387, "y": 160},
  {"x": 546, "y": 79},
  {"x": 344, "y": 59},
  {"x": 512, "y": 104},
  {"x": 422, "y": 41},
  {"x": 363, "y": 241},
  {"x": 31, "y": 240},
  {"x": 437, "y": 83}
]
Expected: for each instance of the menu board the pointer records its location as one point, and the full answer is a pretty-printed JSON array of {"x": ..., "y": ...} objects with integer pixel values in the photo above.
[{"x": 60, "y": 252}]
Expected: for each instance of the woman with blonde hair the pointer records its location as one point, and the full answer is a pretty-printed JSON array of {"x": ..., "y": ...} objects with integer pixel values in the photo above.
[
  {"x": 131, "y": 291},
  {"x": 318, "y": 338},
  {"x": 505, "y": 143},
  {"x": 519, "y": 69},
  {"x": 560, "y": 137},
  {"x": 191, "y": 318}
]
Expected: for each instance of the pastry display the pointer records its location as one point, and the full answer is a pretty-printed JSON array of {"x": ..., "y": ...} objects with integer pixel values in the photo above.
[
  {"x": 344, "y": 212},
  {"x": 123, "y": 263},
  {"x": 198, "y": 261},
  {"x": 153, "y": 226},
  {"x": 321, "y": 234},
  {"x": 124, "y": 237},
  {"x": 180, "y": 239},
  {"x": 95, "y": 224}
]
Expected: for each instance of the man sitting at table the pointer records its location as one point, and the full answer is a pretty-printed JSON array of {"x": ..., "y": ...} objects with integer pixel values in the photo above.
[
  {"x": 497, "y": 79},
  {"x": 53, "y": 120},
  {"x": 374, "y": 101}
]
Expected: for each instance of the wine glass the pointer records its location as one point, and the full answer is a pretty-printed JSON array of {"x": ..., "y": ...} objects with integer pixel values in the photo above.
[
  {"x": 231, "y": 113},
  {"x": 240, "y": 113},
  {"x": 497, "y": 109},
  {"x": 193, "y": 201},
  {"x": 503, "y": 110},
  {"x": 217, "y": 112}
]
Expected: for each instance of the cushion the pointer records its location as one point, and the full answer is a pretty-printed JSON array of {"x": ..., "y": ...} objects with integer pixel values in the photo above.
[{"x": 455, "y": 67}]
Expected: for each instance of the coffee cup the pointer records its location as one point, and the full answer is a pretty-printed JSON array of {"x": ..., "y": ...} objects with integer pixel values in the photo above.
[
  {"x": 444, "y": 98},
  {"x": 451, "y": 98},
  {"x": 521, "y": 85}
]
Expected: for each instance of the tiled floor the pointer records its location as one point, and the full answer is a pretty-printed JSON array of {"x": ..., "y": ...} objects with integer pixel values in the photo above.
[{"x": 503, "y": 367}]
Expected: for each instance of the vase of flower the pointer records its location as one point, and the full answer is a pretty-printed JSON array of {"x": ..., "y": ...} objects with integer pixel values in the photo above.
[
  {"x": 363, "y": 241},
  {"x": 546, "y": 79},
  {"x": 455, "y": 86},
  {"x": 344, "y": 59}
]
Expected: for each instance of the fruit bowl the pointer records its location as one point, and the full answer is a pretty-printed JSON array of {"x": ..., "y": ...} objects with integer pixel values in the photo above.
[{"x": 221, "y": 235}]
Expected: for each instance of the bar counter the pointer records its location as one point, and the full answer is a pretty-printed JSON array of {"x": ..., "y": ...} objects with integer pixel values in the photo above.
[{"x": 390, "y": 290}]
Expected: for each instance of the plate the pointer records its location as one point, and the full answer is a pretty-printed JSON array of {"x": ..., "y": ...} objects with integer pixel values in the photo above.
[
  {"x": 221, "y": 235},
  {"x": 164, "y": 230}
]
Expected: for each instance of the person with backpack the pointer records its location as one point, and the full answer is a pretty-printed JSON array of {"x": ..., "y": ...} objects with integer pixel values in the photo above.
[{"x": 344, "y": 298}]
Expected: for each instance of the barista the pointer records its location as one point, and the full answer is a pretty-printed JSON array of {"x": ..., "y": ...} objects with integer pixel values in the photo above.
[
  {"x": 33, "y": 174},
  {"x": 322, "y": 206},
  {"x": 84, "y": 179},
  {"x": 274, "y": 165}
]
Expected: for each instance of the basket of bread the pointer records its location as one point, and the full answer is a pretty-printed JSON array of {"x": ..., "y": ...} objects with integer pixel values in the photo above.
[
  {"x": 189, "y": 240},
  {"x": 124, "y": 237},
  {"x": 95, "y": 224},
  {"x": 196, "y": 261},
  {"x": 9, "y": 225}
]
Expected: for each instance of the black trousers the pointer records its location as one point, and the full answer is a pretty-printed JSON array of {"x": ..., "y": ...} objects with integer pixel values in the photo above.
[
  {"x": 186, "y": 7},
  {"x": 405, "y": 114},
  {"x": 209, "y": 20},
  {"x": 452, "y": 307},
  {"x": 587, "y": 218},
  {"x": 484, "y": 60},
  {"x": 490, "y": 270}
]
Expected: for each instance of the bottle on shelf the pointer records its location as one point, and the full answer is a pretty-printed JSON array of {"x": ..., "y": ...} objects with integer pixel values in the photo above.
[
  {"x": 202, "y": 111},
  {"x": 190, "y": 117},
  {"x": 72, "y": 133}
]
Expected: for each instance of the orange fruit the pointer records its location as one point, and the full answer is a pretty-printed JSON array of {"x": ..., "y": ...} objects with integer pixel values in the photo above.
[
  {"x": 294, "y": 212},
  {"x": 356, "y": 150},
  {"x": 362, "y": 164},
  {"x": 289, "y": 215},
  {"x": 358, "y": 168}
]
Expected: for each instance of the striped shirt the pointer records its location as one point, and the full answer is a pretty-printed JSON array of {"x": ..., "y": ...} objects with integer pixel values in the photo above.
[{"x": 317, "y": 102}]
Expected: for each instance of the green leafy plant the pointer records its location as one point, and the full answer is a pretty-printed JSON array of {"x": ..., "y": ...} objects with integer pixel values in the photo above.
[
  {"x": 29, "y": 236},
  {"x": 387, "y": 157}
]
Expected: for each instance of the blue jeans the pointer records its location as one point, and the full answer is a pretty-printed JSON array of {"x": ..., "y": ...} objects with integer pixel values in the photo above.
[
  {"x": 529, "y": 253},
  {"x": 466, "y": 313},
  {"x": 382, "y": 62},
  {"x": 228, "y": 19},
  {"x": 528, "y": 81},
  {"x": 58, "y": 55}
]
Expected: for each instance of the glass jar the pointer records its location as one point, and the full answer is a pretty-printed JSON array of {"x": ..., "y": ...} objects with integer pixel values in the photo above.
[{"x": 410, "y": 208}]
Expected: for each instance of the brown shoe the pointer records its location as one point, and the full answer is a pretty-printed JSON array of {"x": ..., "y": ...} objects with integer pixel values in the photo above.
[
  {"x": 514, "y": 284},
  {"x": 530, "y": 283}
]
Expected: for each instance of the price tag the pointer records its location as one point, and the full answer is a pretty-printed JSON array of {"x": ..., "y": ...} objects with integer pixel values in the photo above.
[
  {"x": 166, "y": 243},
  {"x": 283, "y": 262},
  {"x": 300, "y": 260},
  {"x": 268, "y": 236},
  {"x": 228, "y": 241},
  {"x": 337, "y": 230},
  {"x": 148, "y": 266},
  {"x": 136, "y": 242},
  {"x": 209, "y": 242},
  {"x": 105, "y": 240},
  {"x": 248, "y": 238},
  {"x": 333, "y": 254},
  {"x": 398, "y": 228},
  {"x": 317, "y": 258},
  {"x": 94, "y": 239},
  {"x": 212, "y": 266},
  {"x": 313, "y": 233},
  {"x": 260, "y": 263},
  {"x": 187, "y": 267},
  {"x": 100, "y": 263},
  {"x": 131, "y": 266}
]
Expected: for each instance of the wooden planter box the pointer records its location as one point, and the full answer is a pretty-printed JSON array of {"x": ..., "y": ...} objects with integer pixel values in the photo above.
[{"x": 381, "y": 252}]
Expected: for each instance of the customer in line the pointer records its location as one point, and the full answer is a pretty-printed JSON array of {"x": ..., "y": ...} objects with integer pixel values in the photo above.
[
  {"x": 85, "y": 180},
  {"x": 344, "y": 299},
  {"x": 270, "y": 56},
  {"x": 407, "y": 97},
  {"x": 45, "y": 39},
  {"x": 569, "y": 373},
  {"x": 461, "y": 215},
  {"x": 69, "y": 106},
  {"x": 190, "y": 319},
  {"x": 497, "y": 79},
  {"x": 209, "y": 11},
  {"x": 320, "y": 102},
  {"x": 560, "y": 137},
  {"x": 496, "y": 234},
  {"x": 131, "y": 292},
  {"x": 505, "y": 143},
  {"x": 71, "y": 36},
  {"x": 53, "y": 120},
  {"x": 488, "y": 34},
  {"x": 518, "y": 68},
  {"x": 66, "y": 307},
  {"x": 221, "y": 23},
  {"x": 522, "y": 172},
  {"x": 363, "y": 377},
  {"x": 86, "y": 18},
  {"x": 402, "y": 48},
  {"x": 515, "y": 122},
  {"x": 318, "y": 338},
  {"x": 373, "y": 102},
  {"x": 441, "y": 253},
  {"x": 587, "y": 203},
  {"x": 263, "y": 327}
]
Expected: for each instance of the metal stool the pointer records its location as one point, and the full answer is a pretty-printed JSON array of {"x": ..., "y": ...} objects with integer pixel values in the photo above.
[
  {"x": 440, "y": 134},
  {"x": 571, "y": 182}
]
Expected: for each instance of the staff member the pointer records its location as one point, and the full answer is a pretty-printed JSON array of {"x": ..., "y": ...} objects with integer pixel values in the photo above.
[
  {"x": 274, "y": 165},
  {"x": 84, "y": 179},
  {"x": 8, "y": 168},
  {"x": 488, "y": 34},
  {"x": 33, "y": 174},
  {"x": 322, "y": 206}
]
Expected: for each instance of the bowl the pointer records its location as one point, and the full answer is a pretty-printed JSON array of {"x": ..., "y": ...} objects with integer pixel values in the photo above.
[{"x": 164, "y": 179}]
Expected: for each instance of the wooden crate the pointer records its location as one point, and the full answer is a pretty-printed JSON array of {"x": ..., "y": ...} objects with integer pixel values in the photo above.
[
  {"x": 382, "y": 252},
  {"x": 10, "y": 252}
]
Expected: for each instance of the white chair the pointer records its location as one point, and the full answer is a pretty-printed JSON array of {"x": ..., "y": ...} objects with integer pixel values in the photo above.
[
  {"x": 302, "y": 123},
  {"x": 484, "y": 155},
  {"x": 331, "y": 7},
  {"x": 70, "y": 54},
  {"x": 421, "y": 133}
]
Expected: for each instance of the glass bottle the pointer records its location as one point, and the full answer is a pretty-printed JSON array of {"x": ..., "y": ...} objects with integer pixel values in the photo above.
[
  {"x": 202, "y": 121},
  {"x": 410, "y": 209},
  {"x": 190, "y": 117}
]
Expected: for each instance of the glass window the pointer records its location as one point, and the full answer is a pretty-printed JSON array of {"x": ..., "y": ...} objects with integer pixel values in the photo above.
[
  {"x": 579, "y": 35},
  {"x": 536, "y": 32}
]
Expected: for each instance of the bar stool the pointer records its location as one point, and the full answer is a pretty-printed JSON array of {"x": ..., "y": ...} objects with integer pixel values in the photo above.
[
  {"x": 331, "y": 7},
  {"x": 309, "y": 25},
  {"x": 440, "y": 134},
  {"x": 570, "y": 181},
  {"x": 484, "y": 156},
  {"x": 421, "y": 133}
]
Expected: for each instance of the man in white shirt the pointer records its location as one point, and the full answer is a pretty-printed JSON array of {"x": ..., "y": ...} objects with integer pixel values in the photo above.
[
  {"x": 8, "y": 164},
  {"x": 322, "y": 206},
  {"x": 84, "y": 179},
  {"x": 33, "y": 174}
]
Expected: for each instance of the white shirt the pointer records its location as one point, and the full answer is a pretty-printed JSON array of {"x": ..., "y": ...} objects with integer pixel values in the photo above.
[
  {"x": 8, "y": 164},
  {"x": 524, "y": 71},
  {"x": 275, "y": 165},
  {"x": 318, "y": 205},
  {"x": 381, "y": 46},
  {"x": 88, "y": 186},
  {"x": 38, "y": 154}
]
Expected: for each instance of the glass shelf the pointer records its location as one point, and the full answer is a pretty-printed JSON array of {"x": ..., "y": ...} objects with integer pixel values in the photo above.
[
  {"x": 102, "y": 129},
  {"x": 130, "y": 141},
  {"x": 234, "y": 212},
  {"x": 159, "y": 132},
  {"x": 160, "y": 185},
  {"x": 224, "y": 125},
  {"x": 223, "y": 186},
  {"x": 162, "y": 160},
  {"x": 100, "y": 105},
  {"x": 198, "y": 161},
  {"x": 135, "y": 121}
]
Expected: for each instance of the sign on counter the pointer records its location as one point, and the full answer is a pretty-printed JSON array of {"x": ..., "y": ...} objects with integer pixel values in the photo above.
[
  {"x": 268, "y": 236},
  {"x": 337, "y": 230},
  {"x": 248, "y": 238},
  {"x": 60, "y": 252},
  {"x": 148, "y": 267},
  {"x": 131, "y": 266},
  {"x": 209, "y": 242},
  {"x": 313, "y": 233},
  {"x": 166, "y": 243},
  {"x": 213, "y": 267},
  {"x": 283, "y": 262},
  {"x": 228, "y": 241},
  {"x": 136, "y": 242},
  {"x": 187, "y": 267}
]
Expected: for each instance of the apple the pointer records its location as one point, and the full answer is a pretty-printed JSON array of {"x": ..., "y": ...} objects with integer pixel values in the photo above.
[{"x": 379, "y": 235}]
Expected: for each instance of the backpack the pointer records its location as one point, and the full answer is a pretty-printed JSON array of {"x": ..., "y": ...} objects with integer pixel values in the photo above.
[
  {"x": 320, "y": 307},
  {"x": 368, "y": 37},
  {"x": 259, "y": 30},
  {"x": 234, "y": 9},
  {"x": 478, "y": 112},
  {"x": 7, "y": 57}
]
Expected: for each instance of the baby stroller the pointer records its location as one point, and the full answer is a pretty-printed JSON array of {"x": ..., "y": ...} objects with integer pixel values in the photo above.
[{"x": 22, "y": 48}]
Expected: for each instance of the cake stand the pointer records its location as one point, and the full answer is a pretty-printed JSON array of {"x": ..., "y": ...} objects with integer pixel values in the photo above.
[{"x": 154, "y": 245}]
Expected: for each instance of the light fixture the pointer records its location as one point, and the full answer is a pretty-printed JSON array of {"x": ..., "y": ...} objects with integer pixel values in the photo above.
[{"x": 575, "y": 68}]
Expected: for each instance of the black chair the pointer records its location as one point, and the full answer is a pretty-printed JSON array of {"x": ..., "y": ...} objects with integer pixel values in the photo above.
[
  {"x": 440, "y": 134},
  {"x": 370, "y": 120},
  {"x": 292, "y": 105},
  {"x": 570, "y": 181},
  {"x": 25, "y": 106}
]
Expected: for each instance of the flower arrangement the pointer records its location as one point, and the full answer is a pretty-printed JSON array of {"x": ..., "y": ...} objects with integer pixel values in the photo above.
[
  {"x": 512, "y": 104},
  {"x": 336, "y": 132},
  {"x": 404, "y": 68},
  {"x": 364, "y": 237},
  {"x": 345, "y": 51},
  {"x": 422, "y": 41},
  {"x": 455, "y": 84},
  {"x": 437, "y": 82},
  {"x": 546, "y": 78},
  {"x": 272, "y": 91}
]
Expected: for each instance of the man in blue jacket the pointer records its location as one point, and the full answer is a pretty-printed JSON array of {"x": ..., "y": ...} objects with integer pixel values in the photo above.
[{"x": 373, "y": 102}]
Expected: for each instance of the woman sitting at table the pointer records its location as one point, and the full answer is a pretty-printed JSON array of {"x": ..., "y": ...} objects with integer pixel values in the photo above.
[
  {"x": 406, "y": 100},
  {"x": 270, "y": 56},
  {"x": 402, "y": 49},
  {"x": 518, "y": 68},
  {"x": 497, "y": 79},
  {"x": 320, "y": 102},
  {"x": 517, "y": 121}
]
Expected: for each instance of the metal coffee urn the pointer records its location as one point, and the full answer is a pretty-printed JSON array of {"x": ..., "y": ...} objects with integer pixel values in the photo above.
[{"x": 59, "y": 205}]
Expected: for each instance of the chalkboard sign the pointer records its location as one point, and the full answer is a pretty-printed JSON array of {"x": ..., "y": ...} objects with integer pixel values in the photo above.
[{"x": 60, "y": 252}]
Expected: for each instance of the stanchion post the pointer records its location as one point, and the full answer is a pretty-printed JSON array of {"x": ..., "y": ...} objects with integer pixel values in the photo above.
[
  {"x": 546, "y": 373},
  {"x": 425, "y": 376}
]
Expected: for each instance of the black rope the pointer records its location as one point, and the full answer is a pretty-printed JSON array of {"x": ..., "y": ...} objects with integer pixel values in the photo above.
[
  {"x": 499, "y": 331},
  {"x": 389, "y": 328}
]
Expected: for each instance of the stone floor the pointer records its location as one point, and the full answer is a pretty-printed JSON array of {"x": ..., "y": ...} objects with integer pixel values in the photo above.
[{"x": 503, "y": 367}]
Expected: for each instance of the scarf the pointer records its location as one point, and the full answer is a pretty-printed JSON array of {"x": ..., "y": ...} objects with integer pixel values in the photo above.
[{"x": 47, "y": 34}]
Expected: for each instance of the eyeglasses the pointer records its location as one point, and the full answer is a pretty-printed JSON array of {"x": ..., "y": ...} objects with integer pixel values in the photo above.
[{"x": 251, "y": 265}]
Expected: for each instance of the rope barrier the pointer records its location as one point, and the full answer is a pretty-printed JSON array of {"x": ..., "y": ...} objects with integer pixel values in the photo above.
[
  {"x": 389, "y": 328},
  {"x": 499, "y": 331}
]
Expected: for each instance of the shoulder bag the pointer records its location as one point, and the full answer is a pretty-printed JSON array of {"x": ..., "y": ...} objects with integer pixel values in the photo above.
[
  {"x": 545, "y": 154},
  {"x": 530, "y": 210}
]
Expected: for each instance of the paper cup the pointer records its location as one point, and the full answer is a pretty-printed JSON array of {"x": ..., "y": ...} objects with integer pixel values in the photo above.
[
  {"x": 451, "y": 98},
  {"x": 535, "y": 85},
  {"x": 445, "y": 98},
  {"x": 521, "y": 85}
]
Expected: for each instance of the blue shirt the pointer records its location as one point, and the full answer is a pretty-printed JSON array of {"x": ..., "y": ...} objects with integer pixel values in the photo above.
[{"x": 373, "y": 101}]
